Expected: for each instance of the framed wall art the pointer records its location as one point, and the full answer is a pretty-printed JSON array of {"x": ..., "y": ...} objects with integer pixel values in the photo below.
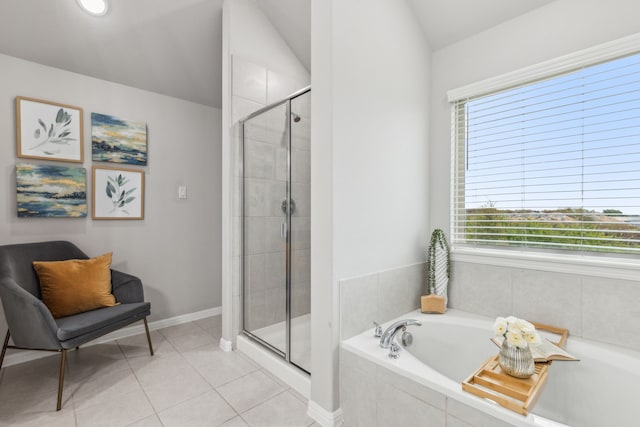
[
  {"x": 48, "y": 130},
  {"x": 117, "y": 140},
  {"x": 51, "y": 191},
  {"x": 117, "y": 193}
]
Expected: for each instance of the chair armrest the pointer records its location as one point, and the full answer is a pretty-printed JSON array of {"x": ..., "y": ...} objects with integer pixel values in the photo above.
[
  {"x": 29, "y": 320},
  {"x": 126, "y": 288}
]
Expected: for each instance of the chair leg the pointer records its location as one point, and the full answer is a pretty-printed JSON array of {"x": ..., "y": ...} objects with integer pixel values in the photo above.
[
  {"x": 61, "y": 380},
  {"x": 4, "y": 347},
  {"x": 146, "y": 328}
]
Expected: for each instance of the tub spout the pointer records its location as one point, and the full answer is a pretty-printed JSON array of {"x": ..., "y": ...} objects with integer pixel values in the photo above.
[{"x": 390, "y": 333}]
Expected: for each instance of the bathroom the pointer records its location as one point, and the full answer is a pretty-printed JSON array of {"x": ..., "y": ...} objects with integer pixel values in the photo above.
[
  {"x": 379, "y": 190},
  {"x": 380, "y": 172},
  {"x": 381, "y": 178}
]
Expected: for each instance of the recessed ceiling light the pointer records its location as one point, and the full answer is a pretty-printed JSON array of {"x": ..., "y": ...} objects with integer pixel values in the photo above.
[{"x": 94, "y": 7}]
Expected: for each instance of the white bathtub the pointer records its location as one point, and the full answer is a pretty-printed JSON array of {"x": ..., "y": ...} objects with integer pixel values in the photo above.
[{"x": 599, "y": 390}]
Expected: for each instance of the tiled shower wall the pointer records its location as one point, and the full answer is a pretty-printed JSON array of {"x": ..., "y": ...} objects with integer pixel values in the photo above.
[
  {"x": 600, "y": 309},
  {"x": 254, "y": 86}
]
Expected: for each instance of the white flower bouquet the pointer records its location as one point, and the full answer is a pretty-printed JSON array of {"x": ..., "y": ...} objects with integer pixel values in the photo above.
[{"x": 517, "y": 332}]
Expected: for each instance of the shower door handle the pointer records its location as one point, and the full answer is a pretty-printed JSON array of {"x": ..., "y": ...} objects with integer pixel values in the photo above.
[
  {"x": 291, "y": 204},
  {"x": 283, "y": 230}
]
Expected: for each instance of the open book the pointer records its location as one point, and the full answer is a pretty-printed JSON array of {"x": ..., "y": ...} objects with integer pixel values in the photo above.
[{"x": 544, "y": 352}]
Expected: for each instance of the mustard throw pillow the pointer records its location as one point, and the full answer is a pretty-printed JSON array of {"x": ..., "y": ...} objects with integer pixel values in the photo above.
[{"x": 76, "y": 285}]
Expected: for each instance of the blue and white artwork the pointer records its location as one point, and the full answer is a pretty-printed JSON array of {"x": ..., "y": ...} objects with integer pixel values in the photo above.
[
  {"x": 117, "y": 140},
  {"x": 51, "y": 191}
]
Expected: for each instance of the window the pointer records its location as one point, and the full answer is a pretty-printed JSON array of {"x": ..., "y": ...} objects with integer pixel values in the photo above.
[{"x": 552, "y": 164}]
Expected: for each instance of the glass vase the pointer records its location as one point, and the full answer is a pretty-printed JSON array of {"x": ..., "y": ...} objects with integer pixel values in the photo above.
[{"x": 516, "y": 361}]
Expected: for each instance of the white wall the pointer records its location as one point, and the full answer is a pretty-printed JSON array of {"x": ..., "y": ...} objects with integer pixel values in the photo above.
[
  {"x": 370, "y": 73},
  {"x": 324, "y": 295},
  {"x": 175, "y": 250},
  {"x": 380, "y": 125}
]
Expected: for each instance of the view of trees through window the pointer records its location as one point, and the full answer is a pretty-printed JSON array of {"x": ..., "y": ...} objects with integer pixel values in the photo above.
[{"x": 553, "y": 164}]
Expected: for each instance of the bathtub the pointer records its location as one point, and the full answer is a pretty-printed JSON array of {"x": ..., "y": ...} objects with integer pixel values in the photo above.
[{"x": 599, "y": 390}]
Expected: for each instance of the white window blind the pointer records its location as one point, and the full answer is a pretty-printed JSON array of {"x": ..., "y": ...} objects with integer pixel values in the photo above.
[{"x": 552, "y": 164}]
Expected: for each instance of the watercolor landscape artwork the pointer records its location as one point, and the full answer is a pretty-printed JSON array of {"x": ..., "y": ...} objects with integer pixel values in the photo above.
[
  {"x": 47, "y": 130},
  {"x": 51, "y": 191},
  {"x": 118, "y": 140}
]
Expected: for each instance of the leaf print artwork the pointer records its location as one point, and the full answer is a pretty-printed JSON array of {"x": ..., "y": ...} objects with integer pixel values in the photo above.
[
  {"x": 58, "y": 132},
  {"x": 49, "y": 131},
  {"x": 117, "y": 192}
]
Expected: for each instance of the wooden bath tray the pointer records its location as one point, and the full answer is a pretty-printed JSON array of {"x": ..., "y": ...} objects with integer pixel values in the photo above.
[{"x": 516, "y": 394}]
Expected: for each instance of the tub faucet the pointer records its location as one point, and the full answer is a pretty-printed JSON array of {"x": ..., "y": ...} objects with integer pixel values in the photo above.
[{"x": 387, "y": 337}]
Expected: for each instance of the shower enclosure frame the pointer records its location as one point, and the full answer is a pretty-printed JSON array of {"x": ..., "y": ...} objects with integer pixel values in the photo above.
[{"x": 286, "y": 355}]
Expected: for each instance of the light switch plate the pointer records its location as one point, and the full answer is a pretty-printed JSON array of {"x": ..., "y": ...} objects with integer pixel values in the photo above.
[{"x": 182, "y": 192}]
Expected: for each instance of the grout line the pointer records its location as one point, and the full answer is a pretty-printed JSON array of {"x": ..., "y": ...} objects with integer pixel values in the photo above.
[
  {"x": 234, "y": 379},
  {"x": 263, "y": 402},
  {"x": 227, "y": 402},
  {"x": 251, "y": 407},
  {"x": 133, "y": 371},
  {"x": 75, "y": 413}
]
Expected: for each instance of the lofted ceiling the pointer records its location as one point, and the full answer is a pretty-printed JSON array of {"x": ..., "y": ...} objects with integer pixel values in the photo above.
[
  {"x": 445, "y": 22},
  {"x": 175, "y": 47}
]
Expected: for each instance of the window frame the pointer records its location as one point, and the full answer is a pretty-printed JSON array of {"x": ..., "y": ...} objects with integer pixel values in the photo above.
[{"x": 589, "y": 264}]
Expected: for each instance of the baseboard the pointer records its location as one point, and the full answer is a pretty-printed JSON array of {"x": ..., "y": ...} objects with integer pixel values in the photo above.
[
  {"x": 324, "y": 417},
  {"x": 226, "y": 345},
  {"x": 28, "y": 355}
]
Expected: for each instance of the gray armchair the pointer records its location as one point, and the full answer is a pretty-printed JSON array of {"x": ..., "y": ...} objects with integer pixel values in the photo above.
[{"x": 30, "y": 322}]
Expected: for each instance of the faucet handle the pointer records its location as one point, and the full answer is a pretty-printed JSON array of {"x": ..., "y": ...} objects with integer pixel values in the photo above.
[
  {"x": 394, "y": 351},
  {"x": 378, "y": 331}
]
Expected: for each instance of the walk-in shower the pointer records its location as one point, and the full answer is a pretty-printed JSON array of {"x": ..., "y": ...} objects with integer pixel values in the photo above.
[{"x": 276, "y": 179}]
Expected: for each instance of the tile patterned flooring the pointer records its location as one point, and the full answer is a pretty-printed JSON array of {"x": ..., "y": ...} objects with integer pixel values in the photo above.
[{"x": 188, "y": 382}]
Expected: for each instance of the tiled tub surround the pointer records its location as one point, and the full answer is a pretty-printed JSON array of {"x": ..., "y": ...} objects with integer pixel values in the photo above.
[
  {"x": 599, "y": 309},
  {"x": 596, "y": 308},
  {"x": 379, "y": 297},
  {"x": 379, "y": 391}
]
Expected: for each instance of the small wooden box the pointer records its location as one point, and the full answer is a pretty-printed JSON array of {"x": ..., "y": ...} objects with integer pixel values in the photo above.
[{"x": 433, "y": 304}]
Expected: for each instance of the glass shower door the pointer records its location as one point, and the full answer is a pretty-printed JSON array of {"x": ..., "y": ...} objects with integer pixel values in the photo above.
[
  {"x": 265, "y": 227},
  {"x": 300, "y": 287},
  {"x": 276, "y": 211}
]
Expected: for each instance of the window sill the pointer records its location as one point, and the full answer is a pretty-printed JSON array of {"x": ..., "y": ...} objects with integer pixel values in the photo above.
[{"x": 583, "y": 265}]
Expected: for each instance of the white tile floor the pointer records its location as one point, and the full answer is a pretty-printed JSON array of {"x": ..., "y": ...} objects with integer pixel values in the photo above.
[{"x": 188, "y": 382}]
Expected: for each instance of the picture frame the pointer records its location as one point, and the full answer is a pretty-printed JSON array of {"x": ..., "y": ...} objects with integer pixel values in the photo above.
[
  {"x": 117, "y": 193},
  {"x": 118, "y": 140},
  {"x": 49, "y": 130},
  {"x": 51, "y": 191}
]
